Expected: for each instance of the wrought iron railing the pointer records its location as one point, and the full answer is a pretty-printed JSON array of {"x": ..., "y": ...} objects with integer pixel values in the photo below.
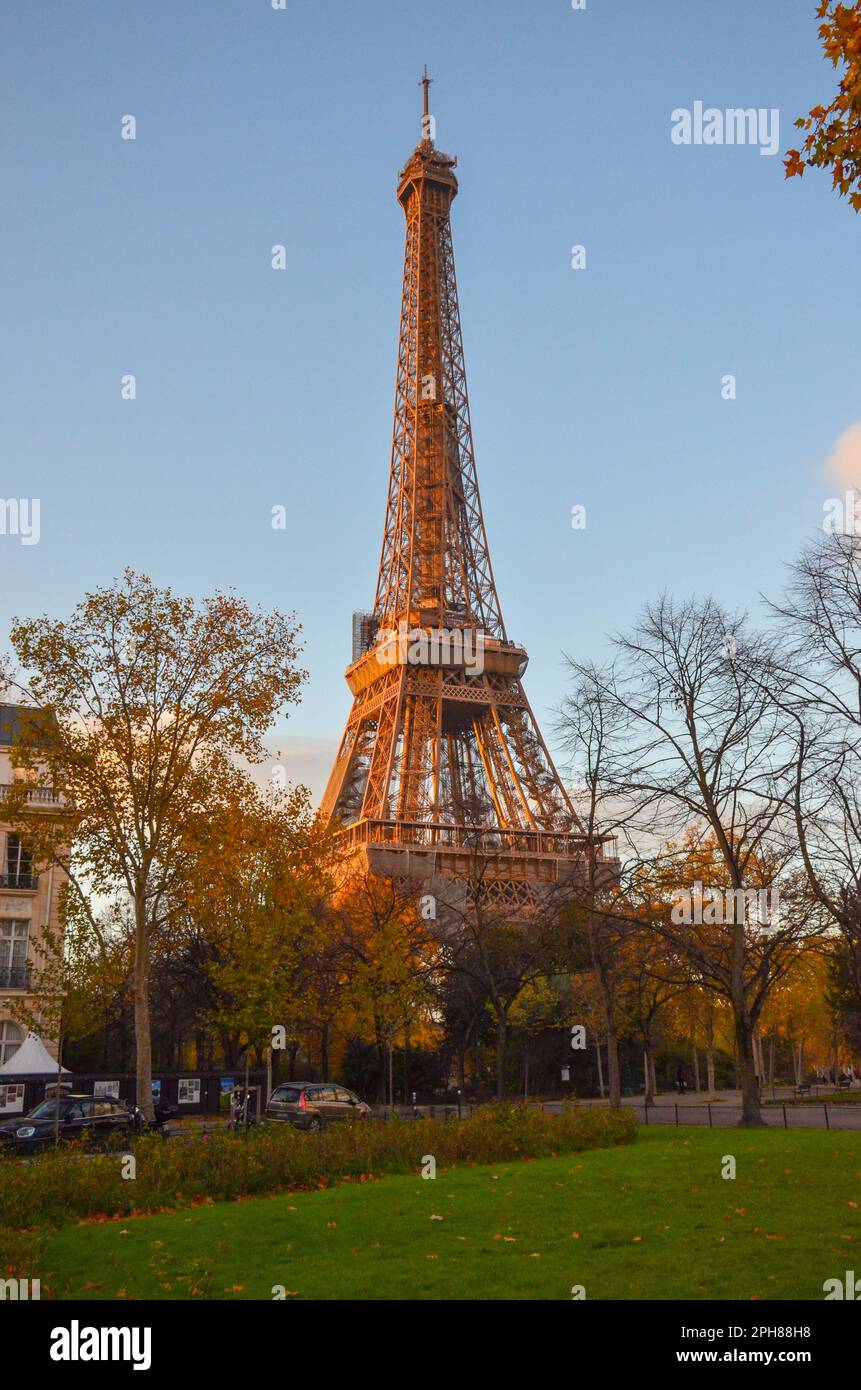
[
  {"x": 19, "y": 880},
  {"x": 14, "y": 977}
]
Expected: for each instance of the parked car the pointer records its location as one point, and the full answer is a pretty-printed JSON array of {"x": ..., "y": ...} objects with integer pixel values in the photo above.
[
  {"x": 81, "y": 1117},
  {"x": 313, "y": 1105},
  {"x": 100, "y": 1122}
]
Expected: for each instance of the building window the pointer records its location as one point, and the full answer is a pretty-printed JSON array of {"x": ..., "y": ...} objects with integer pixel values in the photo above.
[
  {"x": 13, "y": 954},
  {"x": 11, "y": 1038},
  {"x": 19, "y": 863}
]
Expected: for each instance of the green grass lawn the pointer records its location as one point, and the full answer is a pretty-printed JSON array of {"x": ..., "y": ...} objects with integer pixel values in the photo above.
[{"x": 651, "y": 1220}]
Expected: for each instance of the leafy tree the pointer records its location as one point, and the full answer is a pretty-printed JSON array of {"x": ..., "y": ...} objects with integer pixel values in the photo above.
[
  {"x": 651, "y": 981},
  {"x": 74, "y": 972},
  {"x": 389, "y": 958},
  {"x": 833, "y": 139},
  {"x": 143, "y": 701}
]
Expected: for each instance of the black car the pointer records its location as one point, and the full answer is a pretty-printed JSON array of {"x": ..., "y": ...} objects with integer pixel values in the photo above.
[
  {"x": 101, "y": 1122},
  {"x": 313, "y": 1105}
]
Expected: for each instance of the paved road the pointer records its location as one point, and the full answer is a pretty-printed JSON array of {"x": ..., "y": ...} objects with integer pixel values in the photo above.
[{"x": 721, "y": 1111}]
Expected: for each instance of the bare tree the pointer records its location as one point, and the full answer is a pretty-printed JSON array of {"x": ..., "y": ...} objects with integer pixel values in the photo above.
[
  {"x": 499, "y": 945},
  {"x": 700, "y": 747},
  {"x": 820, "y": 627},
  {"x": 591, "y": 722}
]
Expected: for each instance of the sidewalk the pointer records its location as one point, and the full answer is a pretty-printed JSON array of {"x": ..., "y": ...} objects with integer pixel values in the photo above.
[{"x": 722, "y": 1109}]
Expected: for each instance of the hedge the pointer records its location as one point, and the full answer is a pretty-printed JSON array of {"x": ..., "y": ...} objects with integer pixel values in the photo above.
[{"x": 63, "y": 1186}]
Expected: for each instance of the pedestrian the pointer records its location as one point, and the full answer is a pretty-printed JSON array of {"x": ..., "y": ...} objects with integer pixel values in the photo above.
[{"x": 680, "y": 1079}]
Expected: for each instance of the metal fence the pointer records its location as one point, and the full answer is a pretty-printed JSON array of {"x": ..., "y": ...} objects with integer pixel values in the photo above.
[
  {"x": 423, "y": 1112},
  {"x": 779, "y": 1115},
  {"x": 708, "y": 1115}
]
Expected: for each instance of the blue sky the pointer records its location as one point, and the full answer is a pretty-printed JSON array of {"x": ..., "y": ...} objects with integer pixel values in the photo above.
[{"x": 257, "y": 387}]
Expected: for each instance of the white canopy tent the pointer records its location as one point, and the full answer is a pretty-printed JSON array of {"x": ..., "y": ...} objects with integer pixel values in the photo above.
[{"x": 31, "y": 1059}]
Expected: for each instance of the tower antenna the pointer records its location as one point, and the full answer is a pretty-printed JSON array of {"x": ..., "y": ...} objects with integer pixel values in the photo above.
[{"x": 425, "y": 81}]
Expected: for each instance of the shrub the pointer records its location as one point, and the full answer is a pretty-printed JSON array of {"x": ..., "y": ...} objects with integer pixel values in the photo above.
[{"x": 61, "y": 1186}]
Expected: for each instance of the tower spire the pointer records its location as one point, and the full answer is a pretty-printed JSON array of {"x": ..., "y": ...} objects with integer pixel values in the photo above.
[{"x": 425, "y": 81}]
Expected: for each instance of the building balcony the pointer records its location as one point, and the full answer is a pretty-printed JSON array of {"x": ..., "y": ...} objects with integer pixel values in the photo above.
[
  {"x": 15, "y": 977},
  {"x": 26, "y": 882},
  {"x": 487, "y": 840},
  {"x": 37, "y": 796}
]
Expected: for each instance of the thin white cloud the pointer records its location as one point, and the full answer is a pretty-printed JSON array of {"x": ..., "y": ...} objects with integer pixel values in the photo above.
[{"x": 844, "y": 461}]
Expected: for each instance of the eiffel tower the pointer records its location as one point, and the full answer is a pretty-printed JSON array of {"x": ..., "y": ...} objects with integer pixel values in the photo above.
[{"x": 442, "y": 762}]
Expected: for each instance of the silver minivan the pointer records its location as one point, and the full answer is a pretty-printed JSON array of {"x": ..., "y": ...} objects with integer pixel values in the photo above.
[{"x": 312, "y": 1105}]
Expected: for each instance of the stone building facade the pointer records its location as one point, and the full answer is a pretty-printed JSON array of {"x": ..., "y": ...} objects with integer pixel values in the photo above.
[{"x": 28, "y": 899}]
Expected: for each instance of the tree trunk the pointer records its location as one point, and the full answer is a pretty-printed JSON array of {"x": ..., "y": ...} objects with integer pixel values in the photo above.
[
  {"x": 649, "y": 1075},
  {"x": 324, "y": 1051},
  {"x": 501, "y": 1034},
  {"x": 710, "y": 1051},
  {"x": 143, "y": 1038},
  {"x": 751, "y": 1114},
  {"x": 608, "y": 1000},
  {"x": 758, "y": 1057},
  {"x": 710, "y": 1069},
  {"x": 600, "y": 1068},
  {"x": 614, "y": 1083},
  {"x": 697, "y": 1086},
  {"x": 58, "y": 1092}
]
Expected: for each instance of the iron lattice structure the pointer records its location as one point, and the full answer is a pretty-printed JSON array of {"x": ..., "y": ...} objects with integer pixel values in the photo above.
[{"x": 442, "y": 758}]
